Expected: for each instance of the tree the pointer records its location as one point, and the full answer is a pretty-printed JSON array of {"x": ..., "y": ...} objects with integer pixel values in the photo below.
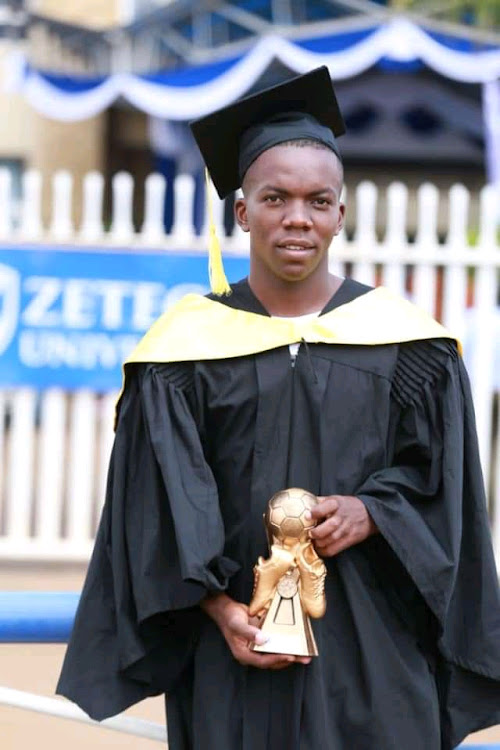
[{"x": 482, "y": 13}]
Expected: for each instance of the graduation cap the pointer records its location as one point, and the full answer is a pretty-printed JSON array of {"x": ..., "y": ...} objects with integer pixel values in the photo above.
[{"x": 232, "y": 138}]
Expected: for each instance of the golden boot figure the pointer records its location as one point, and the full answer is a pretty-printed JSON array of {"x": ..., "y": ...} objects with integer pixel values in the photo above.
[
  {"x": 267, "y": 573},
  {"x": 312, "y": 580}
]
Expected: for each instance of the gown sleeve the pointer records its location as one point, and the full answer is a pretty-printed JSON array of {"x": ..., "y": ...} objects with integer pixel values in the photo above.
[
  {"x": 158, "y": 551},
  {"x": 430, "y": 507}
]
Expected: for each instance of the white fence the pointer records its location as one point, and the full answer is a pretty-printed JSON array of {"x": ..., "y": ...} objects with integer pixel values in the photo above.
[{"x": 54, "y": 446}]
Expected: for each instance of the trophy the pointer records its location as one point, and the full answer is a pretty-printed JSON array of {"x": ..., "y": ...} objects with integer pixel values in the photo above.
[{"x": 289, "y": 585}]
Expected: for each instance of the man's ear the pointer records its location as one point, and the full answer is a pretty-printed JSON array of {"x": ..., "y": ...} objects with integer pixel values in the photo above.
[
  {"x": 341, "y": 219},
  {"x": 240, "y": 213}
]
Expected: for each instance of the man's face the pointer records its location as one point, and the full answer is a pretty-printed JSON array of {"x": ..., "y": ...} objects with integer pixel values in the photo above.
[{"x": 292, "y": 210}]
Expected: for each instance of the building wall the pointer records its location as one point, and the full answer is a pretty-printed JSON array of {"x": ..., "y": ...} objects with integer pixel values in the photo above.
[
  {"x": 15, "y": 115},
  {"x": 48, "y": 145},
  {"x": 76, "y": 146},
  {"x": 16, "y": 127},
  {"x": 93, "y": 13}
]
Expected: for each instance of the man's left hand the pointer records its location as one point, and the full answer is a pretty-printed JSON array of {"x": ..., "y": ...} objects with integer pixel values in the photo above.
[{"x": 342, "y": 522}]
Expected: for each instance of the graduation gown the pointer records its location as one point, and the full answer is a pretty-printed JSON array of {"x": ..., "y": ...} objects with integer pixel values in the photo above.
[{"x": 410, "y": 643}]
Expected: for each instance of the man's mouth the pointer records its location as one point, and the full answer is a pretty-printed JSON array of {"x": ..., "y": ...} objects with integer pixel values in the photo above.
[{"x": 296, "y": 246}]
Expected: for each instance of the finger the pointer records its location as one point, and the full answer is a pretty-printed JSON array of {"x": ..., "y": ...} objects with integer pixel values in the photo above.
[
  {"x": 303, "y": 659},
  {"x": 243, "y": 629},
  {"x": 324, "y": 549},
  {"x": 322, "y": 544},
  {"x": 326, "y": 507},
  {"x": 335, "y": 548},
  {"x": 281, "y": 660},
  {"x": 342, "y": 530},
  {"x": 267, "y": 661},
  {"x": 293, "y": 660},
  {"x": 326, "y": 528}
]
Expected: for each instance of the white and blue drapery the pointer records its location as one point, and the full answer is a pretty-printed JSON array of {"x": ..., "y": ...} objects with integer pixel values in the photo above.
[{"x": 185, "y": 94}]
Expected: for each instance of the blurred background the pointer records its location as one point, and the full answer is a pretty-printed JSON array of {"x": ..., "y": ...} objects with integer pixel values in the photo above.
[{"x": 102, "y": 227}]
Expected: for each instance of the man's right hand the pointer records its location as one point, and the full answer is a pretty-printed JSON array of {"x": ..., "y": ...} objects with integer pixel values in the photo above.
[{"x": 241, "y": 631}]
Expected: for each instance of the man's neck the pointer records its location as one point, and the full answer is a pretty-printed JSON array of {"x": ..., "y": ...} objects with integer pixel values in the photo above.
[{"x": 291, "y": 299}]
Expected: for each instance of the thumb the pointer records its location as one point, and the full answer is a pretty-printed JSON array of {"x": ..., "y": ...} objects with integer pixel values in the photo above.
[{"x": 249, "y": 632}]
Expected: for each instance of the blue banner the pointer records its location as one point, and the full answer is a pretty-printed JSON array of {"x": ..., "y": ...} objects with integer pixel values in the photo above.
[{"x": 69, "y": 317}]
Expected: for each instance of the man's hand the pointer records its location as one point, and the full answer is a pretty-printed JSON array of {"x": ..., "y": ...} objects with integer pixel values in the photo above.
[
  {"x": 240, "y": 631},
  {"x": 342, "y": 522}
]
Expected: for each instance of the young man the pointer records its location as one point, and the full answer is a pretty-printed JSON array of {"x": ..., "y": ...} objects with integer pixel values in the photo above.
[{"x": 296, "y": 379}]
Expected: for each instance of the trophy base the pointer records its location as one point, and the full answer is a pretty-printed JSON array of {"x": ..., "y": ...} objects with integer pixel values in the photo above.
[{"x": 288, "y": 629}]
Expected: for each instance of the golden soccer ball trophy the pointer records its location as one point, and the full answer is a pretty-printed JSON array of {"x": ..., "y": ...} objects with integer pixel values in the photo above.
[{"x": 289, "y": 587}]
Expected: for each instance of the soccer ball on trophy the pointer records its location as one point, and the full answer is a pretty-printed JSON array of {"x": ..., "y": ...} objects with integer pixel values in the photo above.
[{"x": 286, "y": 514}]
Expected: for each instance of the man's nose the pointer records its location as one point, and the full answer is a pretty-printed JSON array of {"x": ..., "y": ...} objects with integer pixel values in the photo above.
[{"x": 297, "y": 215}]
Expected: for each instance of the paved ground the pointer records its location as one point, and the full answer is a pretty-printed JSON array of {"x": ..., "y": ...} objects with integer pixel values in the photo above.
[{"x": 35, "y": 669}]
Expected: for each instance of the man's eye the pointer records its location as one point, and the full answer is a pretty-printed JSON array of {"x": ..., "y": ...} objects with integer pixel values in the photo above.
[
  {"x": 322, "y": 202},
  {"x": 272, "y": 198}
]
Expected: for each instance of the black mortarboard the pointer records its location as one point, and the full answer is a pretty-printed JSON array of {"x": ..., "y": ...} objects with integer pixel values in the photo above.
[{"x": 231, "y": 138}]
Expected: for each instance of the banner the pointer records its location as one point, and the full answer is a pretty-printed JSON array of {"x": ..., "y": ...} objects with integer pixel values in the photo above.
[{"x": 69, "y": 317}]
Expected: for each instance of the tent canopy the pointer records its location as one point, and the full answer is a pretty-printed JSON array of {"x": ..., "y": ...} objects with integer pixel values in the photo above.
[{"x": 190, "y": 92}]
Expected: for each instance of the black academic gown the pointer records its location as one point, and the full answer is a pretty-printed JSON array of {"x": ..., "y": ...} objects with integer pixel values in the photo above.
[{"x": 410, "y": 644}]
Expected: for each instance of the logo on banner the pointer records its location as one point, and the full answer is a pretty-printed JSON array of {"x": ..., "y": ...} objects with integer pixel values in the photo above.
[{"x": 10, "y": 301}]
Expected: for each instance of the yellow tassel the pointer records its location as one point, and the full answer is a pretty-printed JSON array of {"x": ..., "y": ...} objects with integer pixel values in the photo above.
[{"x": 218, "y": 281}]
